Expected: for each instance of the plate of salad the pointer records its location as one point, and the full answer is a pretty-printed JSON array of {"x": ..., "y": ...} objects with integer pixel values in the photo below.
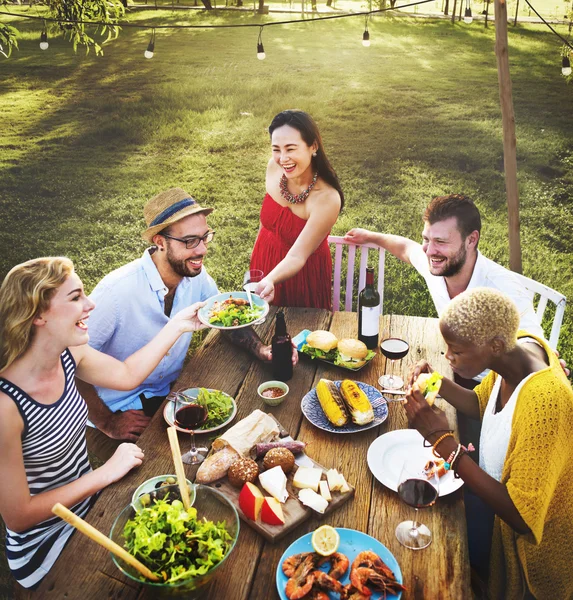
[
  {"x": 232, "y": 310},
  {"x": 221, "y": 409}
]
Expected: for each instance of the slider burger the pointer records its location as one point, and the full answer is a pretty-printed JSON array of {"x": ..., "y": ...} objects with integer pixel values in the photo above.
[
  {"x": 429, "y": 384},
  {"x": 321, "y": 344},
  {"x": 352, "y": 354}
]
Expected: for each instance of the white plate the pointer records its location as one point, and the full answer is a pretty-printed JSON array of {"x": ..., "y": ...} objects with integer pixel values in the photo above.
[
  {"x": 204, "y": 312},
  {"x": 169, "y": 412},
  {"x": 387, "y": 453}
]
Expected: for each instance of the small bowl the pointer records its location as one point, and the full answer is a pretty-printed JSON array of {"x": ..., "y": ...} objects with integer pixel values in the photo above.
[
  {"x": 151, "y": 485},
  {"x": 269, "y": 384},
  {"x": 211, "y": 505}
]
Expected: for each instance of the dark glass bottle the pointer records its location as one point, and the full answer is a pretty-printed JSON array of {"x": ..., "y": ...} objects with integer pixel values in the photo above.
[
  {"x": 369, "y": 312},
  {"x": 282, "y": 350}
]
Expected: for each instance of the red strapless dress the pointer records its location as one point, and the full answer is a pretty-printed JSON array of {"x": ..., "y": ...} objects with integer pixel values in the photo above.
[{"x": 312, "y": 286}]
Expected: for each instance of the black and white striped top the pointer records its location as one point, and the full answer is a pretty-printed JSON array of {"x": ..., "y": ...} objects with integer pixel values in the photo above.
[{"x": 55, "y": 453}]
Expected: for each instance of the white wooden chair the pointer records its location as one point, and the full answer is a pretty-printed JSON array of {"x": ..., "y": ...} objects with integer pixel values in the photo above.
[
  {"x": 545, "y": 294},
  {"x": 339, "y": 243}
]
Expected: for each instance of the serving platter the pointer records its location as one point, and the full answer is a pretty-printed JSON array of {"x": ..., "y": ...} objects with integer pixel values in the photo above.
[
  {"x": 352, "y": 542},
  {"x": 312, "y": 410},
  {"x": 299, "y": 340},
  {"x": 205, "y": 311},
  {"x": 386, "y": 455},
  {"x": 169, "y": 412}
]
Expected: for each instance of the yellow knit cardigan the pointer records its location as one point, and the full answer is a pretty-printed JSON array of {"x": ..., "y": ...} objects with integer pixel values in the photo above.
[{"x": 538, "y": 474}]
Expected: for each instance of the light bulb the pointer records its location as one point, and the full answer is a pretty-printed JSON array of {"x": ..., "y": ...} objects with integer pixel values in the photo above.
[
  {"x": 150, "y": 48},
  {"x": 366, "y": 39},
  {"x": 468, "y": 16},
  {"x": 566, "y": 66},
  {"x": 44, "y": 41},
  {"x": 261, "y": 52}
]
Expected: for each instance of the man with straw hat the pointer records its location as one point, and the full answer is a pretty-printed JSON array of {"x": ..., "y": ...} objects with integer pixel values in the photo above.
[{"x": 136, "y": 300}]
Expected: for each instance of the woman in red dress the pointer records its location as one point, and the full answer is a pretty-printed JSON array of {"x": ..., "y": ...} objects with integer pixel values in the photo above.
[{"x": 301, "y": 205}]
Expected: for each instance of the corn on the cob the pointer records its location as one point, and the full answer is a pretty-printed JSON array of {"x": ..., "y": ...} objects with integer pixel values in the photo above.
[
  {"x": 331, "y": 402},
  {"x": 357, "y": 403}
]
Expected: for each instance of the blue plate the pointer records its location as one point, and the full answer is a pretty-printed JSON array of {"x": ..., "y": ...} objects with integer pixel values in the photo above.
[
  {"x": 312, "y": 410},
  {"x": 204, "y": 313},
  {"x": 352, "y": 542}
]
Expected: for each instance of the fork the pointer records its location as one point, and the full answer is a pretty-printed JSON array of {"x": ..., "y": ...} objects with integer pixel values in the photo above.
[{"x": 379, "y": 401}]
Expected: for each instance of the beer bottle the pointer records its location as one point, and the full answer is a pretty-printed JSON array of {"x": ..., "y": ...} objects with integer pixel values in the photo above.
[
  {"x": 282, "y": 350},
  {"x": 369, "y": 312}
]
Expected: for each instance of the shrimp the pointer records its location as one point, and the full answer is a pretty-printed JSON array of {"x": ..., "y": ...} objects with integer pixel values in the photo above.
[
  {"x": 300, "y": 584},
  {"x": 351, "y": 593},
  {"x": 291, "y": 564},
  {"x": 338, "y": 565},
  {"x": 325, "y": 581},
  {"x": 372, "y": 561},
  {"x": 359, "y": 577}
]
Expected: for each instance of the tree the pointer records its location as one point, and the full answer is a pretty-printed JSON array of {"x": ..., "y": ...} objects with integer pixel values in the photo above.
[{"x": 70, "y": 16}]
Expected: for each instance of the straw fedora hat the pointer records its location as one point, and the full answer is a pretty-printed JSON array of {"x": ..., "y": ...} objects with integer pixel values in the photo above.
[{"x": 167, "y": 208}]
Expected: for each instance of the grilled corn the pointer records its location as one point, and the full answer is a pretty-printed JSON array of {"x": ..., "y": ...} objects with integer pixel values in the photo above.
[
  {"x": 357, "y": 403},
  {"x": 332, "y": 403}
]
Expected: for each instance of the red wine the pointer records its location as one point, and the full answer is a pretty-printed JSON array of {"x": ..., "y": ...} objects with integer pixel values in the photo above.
[
  {"x": 191, "y": 416},
  {"x": 394, "y": 348},
  {"x": 369, "y": 312},
  {"x": 418, "y": 493},
  {"x": 281, "y": 350}
]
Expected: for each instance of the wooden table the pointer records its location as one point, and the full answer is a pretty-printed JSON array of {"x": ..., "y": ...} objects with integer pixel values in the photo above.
[{"x": 85, "y": 570}]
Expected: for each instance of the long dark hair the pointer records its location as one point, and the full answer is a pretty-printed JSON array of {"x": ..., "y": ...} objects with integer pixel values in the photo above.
[{"x": 309, "y": 132}]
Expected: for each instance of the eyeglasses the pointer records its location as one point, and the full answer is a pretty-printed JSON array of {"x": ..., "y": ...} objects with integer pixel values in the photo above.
[{"x": 193, "y": 242}]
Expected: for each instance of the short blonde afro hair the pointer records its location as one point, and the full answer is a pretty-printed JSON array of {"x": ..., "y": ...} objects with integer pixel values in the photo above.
[{"x": 481, "y": 314}]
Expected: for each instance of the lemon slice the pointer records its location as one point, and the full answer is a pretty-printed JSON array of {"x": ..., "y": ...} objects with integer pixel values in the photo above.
[{"x": 325, "y": 540}]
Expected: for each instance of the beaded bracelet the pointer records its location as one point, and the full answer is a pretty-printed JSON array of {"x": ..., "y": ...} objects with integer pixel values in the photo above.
[
  {"x": 427, "y": 443},
  {"x": 457, "y": 458},
  {"x": 443, "y": 437}
]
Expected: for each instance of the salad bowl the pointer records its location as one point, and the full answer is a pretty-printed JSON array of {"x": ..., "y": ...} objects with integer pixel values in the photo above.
[
  {"x": 210, "y": 505},
  {"x": 206, "y": 312}
]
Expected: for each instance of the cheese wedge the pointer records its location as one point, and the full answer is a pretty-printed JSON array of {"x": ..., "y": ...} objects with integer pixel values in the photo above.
[
  {"x": 313, "y": 500},
  {"x": 274, "y": 482},
  {"x": 307, "y": 477},
  {"x": 324, "y": 491}
]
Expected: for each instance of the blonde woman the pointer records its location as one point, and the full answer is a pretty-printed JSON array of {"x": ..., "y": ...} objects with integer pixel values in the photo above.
[
  {"x": 44, "y": 316},
  {"x": 525, "y": 472}
]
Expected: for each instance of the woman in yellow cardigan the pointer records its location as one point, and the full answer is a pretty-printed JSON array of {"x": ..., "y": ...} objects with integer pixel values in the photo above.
[{"x": 525, "y": 473}]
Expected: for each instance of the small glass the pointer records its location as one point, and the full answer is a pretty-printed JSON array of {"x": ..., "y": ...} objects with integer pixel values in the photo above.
[
  {"x": 418, "y": 488},
  {"x": 251, "y": 278},
  {"x": 189, "y": 415},
  {"x": 393, "y": 349}
]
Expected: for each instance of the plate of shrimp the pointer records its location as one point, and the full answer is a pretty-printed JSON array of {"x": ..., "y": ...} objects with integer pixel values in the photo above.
[{"x": 361, "y": 569}]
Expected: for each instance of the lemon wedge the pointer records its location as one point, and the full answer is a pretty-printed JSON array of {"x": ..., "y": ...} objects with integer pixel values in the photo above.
[{"x": 325, "y": 540}]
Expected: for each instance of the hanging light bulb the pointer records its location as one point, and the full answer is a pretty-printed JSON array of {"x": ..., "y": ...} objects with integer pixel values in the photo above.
[
  {"x": 366, "y": 39},
  {"x": 44, "y": 40},
  {"x": 151, "y": 46},
  {"x": 261, "y": 52},
  {"x": 566, "y": 66},
  {"x": 468, "y": 14}
]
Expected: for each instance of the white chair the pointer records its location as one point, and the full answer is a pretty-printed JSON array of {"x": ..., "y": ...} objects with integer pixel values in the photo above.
[
  {"x": 339, "y": 243},
  {"x": 545, "y": 294}
]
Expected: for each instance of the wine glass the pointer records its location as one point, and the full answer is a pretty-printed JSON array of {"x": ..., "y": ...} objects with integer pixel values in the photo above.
[
  {"x": 417, "y": 487},
  {"x": 393, "y": 349},
  {"x": 189, "y": 415},
  {"x": 251, "y": 278}
]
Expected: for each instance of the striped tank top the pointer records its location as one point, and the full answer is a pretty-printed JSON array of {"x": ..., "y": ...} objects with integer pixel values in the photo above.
[{"x": 55, "y": 453}]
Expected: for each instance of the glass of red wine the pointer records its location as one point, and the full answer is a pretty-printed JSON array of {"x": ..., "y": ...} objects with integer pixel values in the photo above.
[
  {"x": 393, "y": 349},
  {"x": 189, "y": 415},
  {"x": 418, "y": 488}
]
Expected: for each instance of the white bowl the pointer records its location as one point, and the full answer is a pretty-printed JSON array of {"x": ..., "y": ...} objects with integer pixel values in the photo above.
[{"x": 269, "y": 384}]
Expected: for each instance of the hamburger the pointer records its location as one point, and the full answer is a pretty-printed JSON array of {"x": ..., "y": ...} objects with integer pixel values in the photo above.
[
  {"x": 321, "y": 344},
  {"x": 429, "y": 384},
  {"x": 352, "y": 354}
]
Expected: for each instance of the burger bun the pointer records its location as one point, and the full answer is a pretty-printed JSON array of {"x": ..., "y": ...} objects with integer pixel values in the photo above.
[
  {"x": 421, "y": 382},
  {"x": 323, "y": 340},
  {"x": 352, "y": 353}
]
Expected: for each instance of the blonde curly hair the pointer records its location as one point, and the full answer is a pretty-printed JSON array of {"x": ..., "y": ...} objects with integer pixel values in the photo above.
[
  {"x": 25, "y": 293},
  {"x": 481, "y": 314}
]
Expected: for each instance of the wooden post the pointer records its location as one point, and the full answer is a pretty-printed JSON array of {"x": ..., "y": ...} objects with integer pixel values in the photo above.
[
  {"x": 516, "y": 11},
  {"x": 454, "y": 11},
  {"x": 509, "y": 142}
]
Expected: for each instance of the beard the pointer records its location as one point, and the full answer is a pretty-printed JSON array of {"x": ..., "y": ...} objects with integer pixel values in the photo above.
[
  {"x": 453, "y": 265},
  {"x": 180, "y": 266}
]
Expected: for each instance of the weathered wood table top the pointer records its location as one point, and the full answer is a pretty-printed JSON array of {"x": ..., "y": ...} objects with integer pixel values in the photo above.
[{"x": 85, "y": 570}]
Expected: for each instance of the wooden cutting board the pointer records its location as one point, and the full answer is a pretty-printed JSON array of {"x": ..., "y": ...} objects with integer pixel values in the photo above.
[{"x": 294, "y": 511}]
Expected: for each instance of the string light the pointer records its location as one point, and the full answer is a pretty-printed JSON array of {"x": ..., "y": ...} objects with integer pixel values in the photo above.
[
  {"x": 151, "y": 46},
  {"x": 468, "y": 14},
  {"x": 366, "y": 34},
  {"x": 260, "y": 48},
  {"x": 566, "y": 66},
  {"x": 44, "y": 40}
]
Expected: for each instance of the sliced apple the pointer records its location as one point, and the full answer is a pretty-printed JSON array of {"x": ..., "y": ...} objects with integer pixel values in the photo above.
[
  {"x": 251, "y": 500},
  {"x": 272, "y": 512}
]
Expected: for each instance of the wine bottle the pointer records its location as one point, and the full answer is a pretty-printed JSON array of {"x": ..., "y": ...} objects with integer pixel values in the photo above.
[
  {"x": 282, "y": 350},
  {"x": 369, "y": 312}
]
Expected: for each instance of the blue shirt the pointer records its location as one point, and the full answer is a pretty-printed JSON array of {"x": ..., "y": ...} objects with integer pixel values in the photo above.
[{"x": 129, "y": 313}]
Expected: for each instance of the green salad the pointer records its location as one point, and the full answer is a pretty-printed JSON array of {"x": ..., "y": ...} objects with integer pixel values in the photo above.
[
  {"x": 233, "y": 312},
  {"x": 173, "y": 543},
  {"x": 218, "y": 405}
]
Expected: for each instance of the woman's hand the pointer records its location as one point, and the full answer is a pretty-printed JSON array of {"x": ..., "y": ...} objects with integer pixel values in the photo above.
[
  {"x": 266, "y": 289},
  {"x": 422, "y": 366},
  {"x": 187, "y": 318},
  {"x": 125, "y": 458},
  {"x": 422, "y": 416},
  {"x": 357, "y": 236}
]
